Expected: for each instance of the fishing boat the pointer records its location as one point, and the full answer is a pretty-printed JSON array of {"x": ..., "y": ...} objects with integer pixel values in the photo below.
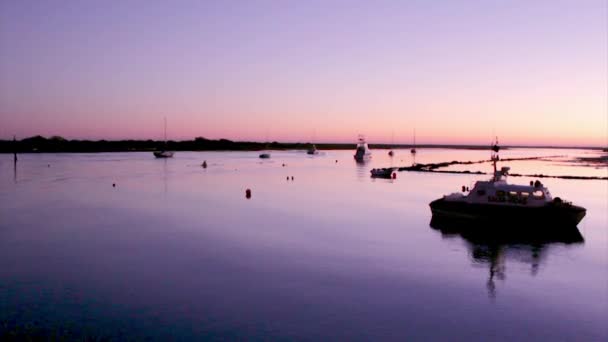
[
  {"x": 164, "y": 153},
  {"x": 363, "y": 153},
  {"x": 265, "y": 155},
  {"x": 497, "y": 202}
]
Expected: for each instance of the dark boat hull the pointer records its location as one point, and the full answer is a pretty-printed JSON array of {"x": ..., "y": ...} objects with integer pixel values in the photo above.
[
  {"x": 163, "y": 154},
  {"x": 552, "y": 214}
]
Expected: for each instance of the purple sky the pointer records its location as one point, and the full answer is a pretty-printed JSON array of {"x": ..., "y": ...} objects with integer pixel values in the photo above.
[{"x": 533, "y": 72}]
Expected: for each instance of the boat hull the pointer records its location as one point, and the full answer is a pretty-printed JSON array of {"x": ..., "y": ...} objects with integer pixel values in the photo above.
[
  {"x": 382, "y": 173},
  {"x": 163, "y": 154},
  {"x": 362, "y": 157},
  {"x": 551, "y": 214}
]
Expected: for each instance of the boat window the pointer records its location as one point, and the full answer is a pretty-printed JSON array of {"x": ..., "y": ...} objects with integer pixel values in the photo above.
[
  {"x": 538, "y": 194},
  {"x": 525, "y": 194},
  {"x": 512, "y": 193}
]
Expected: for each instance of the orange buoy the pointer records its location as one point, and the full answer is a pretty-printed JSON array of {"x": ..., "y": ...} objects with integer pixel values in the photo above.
[
  {"x": 394, "y": 175},
  {"x": 248, "y": 193}
]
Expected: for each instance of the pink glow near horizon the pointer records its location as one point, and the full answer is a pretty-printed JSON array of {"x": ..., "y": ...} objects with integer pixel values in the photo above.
[{"x": 531, "y": 73}]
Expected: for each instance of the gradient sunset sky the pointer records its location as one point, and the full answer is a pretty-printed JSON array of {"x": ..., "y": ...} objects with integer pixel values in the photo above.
[{"x": 531, "y": 72}]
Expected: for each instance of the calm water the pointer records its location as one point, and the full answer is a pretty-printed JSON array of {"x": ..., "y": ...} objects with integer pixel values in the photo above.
[{"x": 177, "y": 251}]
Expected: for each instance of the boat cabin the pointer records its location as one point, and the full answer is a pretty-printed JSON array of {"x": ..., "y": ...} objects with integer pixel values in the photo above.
[{"x": 498, "y": 191}]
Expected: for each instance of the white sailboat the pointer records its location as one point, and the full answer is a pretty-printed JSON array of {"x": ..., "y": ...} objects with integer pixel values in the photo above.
[
  {"x": 164, "y": 153},
  {"x": 265, "y": 154}
]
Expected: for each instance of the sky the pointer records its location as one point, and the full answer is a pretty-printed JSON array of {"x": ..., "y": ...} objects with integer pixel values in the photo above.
[{"x": 458, "y": 72}]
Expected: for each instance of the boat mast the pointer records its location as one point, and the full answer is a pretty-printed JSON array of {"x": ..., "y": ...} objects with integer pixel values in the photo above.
[
  {"x": 165, "y": 132},
  {"x": 495, "y": 149}
]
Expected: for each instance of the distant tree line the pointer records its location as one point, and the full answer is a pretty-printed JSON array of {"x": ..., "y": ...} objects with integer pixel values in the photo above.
[{"x": 59, "y": 144}]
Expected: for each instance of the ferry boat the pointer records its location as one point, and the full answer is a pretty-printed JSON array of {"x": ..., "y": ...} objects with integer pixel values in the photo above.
[
  {"x": 363, "y": 153},
  {"x": 498, "y": 203}
]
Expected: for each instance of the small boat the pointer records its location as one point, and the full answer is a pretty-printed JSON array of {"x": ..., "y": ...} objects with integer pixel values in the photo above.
[
  {"x": 265, "y": 155},
  {"x": 363, "y": 153},
  {"x": 496, "y": 202},
  {"x": 386, "y": 172},
  {"x": 312, "y": 150},
  {"x": 164, "y": 153}
]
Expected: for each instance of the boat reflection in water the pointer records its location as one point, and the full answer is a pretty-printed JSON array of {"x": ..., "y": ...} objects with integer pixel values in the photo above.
[{"x": 494, "y": 245}]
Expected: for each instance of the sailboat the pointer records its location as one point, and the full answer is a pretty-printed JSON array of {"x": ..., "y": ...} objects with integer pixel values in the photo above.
[
  {"x": 164, "y": 153},
  {"x": 265, "y": 155},
  {"x": 312, "y": 150},
  {"x": 413, "y": 150},
  {"x": 391, "y": 153}
]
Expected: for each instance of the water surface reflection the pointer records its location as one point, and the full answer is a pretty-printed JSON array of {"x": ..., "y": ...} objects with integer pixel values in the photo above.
[{"x": 494, "y": 246}]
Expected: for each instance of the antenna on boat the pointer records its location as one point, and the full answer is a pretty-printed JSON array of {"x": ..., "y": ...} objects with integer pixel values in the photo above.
[{"x": 495, "y": 148}]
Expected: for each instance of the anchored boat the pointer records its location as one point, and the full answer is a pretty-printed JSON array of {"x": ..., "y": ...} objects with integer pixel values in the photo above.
[
  {"x": 499, "y": 203},
  {"x": 363, "y": 153},
  {"x": 385, "y": 172},
  {"x": 164, "y": 153},
  {"x": 312, "y": 150}
]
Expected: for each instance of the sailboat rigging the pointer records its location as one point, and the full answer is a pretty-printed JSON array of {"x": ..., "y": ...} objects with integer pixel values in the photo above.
[{"x": 164, "y": 153}]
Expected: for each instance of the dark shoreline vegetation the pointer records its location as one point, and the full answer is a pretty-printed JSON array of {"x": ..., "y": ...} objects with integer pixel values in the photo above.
[{"x": 57, "y": 144}]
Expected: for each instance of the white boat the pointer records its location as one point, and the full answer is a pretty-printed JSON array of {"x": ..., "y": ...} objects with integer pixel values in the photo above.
[
  {"x": 164, "y": 153},
  {"x": 496, "y": 203},
  {"x": 312, "y": 150},
  {"x": 363, "y": 153}
]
